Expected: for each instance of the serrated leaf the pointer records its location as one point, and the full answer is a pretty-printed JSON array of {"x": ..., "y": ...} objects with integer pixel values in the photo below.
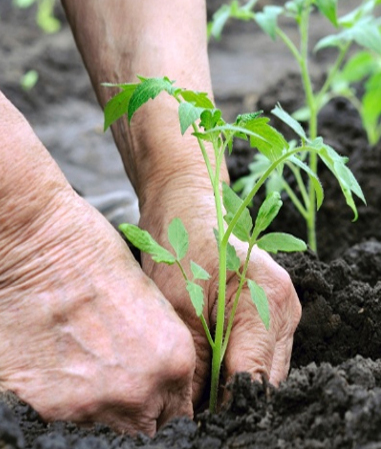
[
  {"x": 196, "y": 294},
  {"x": 279, "y": 241},
  {"x": 178, "y": 237},
  {"x": 268, "y": 19},
  {"x": 261, "y": 302},
  {"x": 267, "y": 212},
  {"x": 232, "y": 203},
  {"x": 199, "y": 272},
  {"x": 267, "y": 139},
  {"x": 329, "y": 9},
  {"x": 188, "y": 114},
  {"x": 233, "y": 262},
  {"x": 291, "y": 122},
  {"x": 118, "y": 105},
  {"x": 148, "y": 89},
  {"x": 198, "y": 99},
  {"x": 144, "y": 241},
  {"x": 210, "y": 118}
]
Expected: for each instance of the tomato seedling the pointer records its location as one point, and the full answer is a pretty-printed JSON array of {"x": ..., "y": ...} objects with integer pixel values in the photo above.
[
  {"x": 357, "y": 27},
  {"x": 197, "y": 111}
]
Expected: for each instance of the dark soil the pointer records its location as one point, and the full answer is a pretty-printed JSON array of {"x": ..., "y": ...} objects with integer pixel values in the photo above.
[{"x": 332, "y": 398}]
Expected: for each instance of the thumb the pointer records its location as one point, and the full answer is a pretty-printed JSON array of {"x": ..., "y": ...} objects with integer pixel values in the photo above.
[{"x": 251, "y": 346}]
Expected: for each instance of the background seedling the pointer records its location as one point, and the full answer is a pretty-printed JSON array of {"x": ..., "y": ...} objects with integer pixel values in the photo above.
[
  {"x": 357, "y": 27},
  {"x": 44, "y": 15},
  {"x": 197, "y": 111}
]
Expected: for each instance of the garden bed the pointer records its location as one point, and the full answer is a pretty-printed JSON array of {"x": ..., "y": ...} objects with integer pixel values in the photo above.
[{"x": 332, "y": 398}]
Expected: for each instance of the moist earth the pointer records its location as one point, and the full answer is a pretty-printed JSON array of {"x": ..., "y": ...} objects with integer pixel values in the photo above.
[{"x": 332, "y": 397}]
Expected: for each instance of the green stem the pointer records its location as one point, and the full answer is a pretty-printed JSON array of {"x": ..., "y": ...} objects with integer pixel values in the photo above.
[
  {"x": 300, "y": 182},
  {"x": 331, "y": 75},
  {"x": 203, "y": 321},
  {"x": 221, "y": 300},
  {"x": 311, "y": 103},
  {"x": 236, "y": 298},
  {"x": 303, "y": 211},
  {"x": 289, "y": 44},
  {"x": 255, "y": 189}
]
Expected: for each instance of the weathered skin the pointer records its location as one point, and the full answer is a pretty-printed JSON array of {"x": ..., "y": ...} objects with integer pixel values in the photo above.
[
  {"x": 78, "y": 315},
  {"x": 79, "y": 334}
]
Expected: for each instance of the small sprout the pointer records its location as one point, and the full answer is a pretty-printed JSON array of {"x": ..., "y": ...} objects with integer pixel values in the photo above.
[{"x": 29, "y": 80}]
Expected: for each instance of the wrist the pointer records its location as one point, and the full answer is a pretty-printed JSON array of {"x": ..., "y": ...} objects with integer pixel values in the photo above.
[{"x": 158, "y": 157}]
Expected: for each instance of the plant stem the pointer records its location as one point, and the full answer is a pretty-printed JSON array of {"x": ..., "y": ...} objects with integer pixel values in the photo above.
[
  {"x": 221, "y": 300},
  {"x": 311, "y": 103},
  {"x": 331, "y": 75},
  {"x": 300, "y": 182},
  {"x": 236, "y": 298},
  {"x": 202, "y": 318},
  {"x": 303, "y": 212}
]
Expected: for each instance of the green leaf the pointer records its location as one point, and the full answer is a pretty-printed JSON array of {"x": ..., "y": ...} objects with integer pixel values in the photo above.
[
  {"x": 267, "y": 212},
  {"x": 198, "y": 99},
  {"x": 291, "y": 122},
  {"x": 359, "y": 66},
  {"x": 268, "y": 19},
  {"x": 196, "y": 294},
  {"x": 234, "y": 10},
  {"x": 371, "y": 108},
  {"x": 344, "y": 176},
  {"x": 268, "y": 140},
  {"x": 188, "y": 114},
  {"x": 118, "y": 105},
  {"x": 232, "y": 203},
  {"x": 313, "y": 178},
  {"x": 210, "y": 118},
  {"x": 148, "y": 89},
  {"x": 279, "y": 241},
  {"x": 220, "y": 17},
  {"x": 198, "y": 272},
  {"x": 178, "y": 237},
  {"x": 329, "y": 9},
  {"x": 144, "y": 241},
  {"x": 233, "y": 262},
  {"x": 261, "y": 302},
  {"x": 365, "y": 32}
]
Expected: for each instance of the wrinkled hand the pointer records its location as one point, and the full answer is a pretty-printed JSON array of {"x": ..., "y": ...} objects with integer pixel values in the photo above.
[
  {"x": 251, "y": 348},
  {"x": 84, "y": 334}
]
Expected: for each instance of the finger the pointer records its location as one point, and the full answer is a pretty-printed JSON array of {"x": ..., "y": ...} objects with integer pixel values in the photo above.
[
  {"x": 281, "y": 361},
  {"x": 251, "y": 347}
]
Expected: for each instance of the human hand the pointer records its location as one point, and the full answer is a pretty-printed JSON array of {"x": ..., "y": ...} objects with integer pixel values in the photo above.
[
  {"x": 251, "y": 347},
  {"x": 84, "y": 334}
]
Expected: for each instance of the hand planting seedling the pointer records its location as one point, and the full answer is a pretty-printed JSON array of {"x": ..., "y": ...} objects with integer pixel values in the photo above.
[
  {"x": 359, "y": 27},
  {"x": 197, "y": 111}
]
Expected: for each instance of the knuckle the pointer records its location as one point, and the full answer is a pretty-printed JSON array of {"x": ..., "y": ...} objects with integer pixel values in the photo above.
[{"x": 180, "y": 357}]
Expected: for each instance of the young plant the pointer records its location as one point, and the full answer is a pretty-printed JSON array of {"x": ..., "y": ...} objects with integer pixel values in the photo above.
[
  {"x": 359, "y": 27},
  {"x": 365, "y": 68},
  {"x": 197, "y": 111},
  {"x": 45, "y": 14}
]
